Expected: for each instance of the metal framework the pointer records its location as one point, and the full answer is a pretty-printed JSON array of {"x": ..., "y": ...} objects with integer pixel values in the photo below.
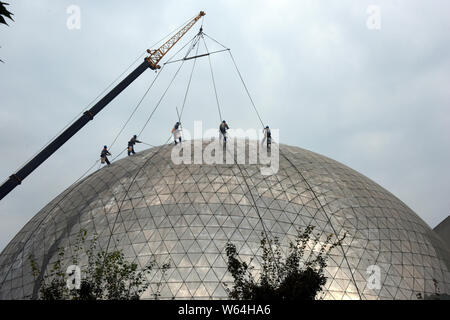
[{"x": 185, "y": 214}]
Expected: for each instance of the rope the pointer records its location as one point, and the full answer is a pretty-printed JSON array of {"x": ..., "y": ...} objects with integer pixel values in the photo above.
[
  {"x": 326, "y": 215},
  {"x": 136, "y": 108},
  {"x": 248, "y": 93},
  {"x": 190, "y": 41},
  {"x": 255, "y": 206},
  {"x": 164, "y": 94},
  {"x": 103, "y": 91},
  {"x": 160, "y": 100},
  {"x": 143, "y": 128},
  {"x": 143, "y": 97},
  {"x": 188, "y": 86},
  {"x": 144, "y": 164},
  {"x": 214, "y": 82},
  {"x": 321, "y": 206},
  {"x": 240, "y": 76},
  {"x": 145, "y": 94},
  {"x": 241, "y": 171},
  {"x": 179, "y": 114},
  {"x": 148, "y": 144},
  {"x": 225, "y": 47},
  {"x": 128, "y": 190}
]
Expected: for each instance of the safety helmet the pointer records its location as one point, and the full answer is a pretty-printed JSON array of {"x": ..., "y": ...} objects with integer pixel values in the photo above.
[
  {"x": 105, "y": 147},
  {"x": 223, "y": 121},
  {"x": 267, "y": 127},
  {"x": 135, "y": 136}
]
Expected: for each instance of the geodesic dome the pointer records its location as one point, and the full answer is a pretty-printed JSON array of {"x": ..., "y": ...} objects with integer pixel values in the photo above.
[{"x": 185, "y": 214}]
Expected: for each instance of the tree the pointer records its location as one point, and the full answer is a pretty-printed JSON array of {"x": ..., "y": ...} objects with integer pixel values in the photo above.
[
  {"x": 107, "y": 276},
  {"x": 4, "y": 13},
  {"x": 294, "y": 278},
  {"x": 437, "y": 294}
]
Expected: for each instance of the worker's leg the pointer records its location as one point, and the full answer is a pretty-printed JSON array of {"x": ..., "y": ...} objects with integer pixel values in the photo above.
[
  {"x": 132, "y": 150},
  {"x": 107, "y": 161}
]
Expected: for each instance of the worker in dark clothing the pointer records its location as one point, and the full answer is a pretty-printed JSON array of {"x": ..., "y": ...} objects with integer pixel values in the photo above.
[
  {"x": 176, "y": 131},
  {"x": 104, "y": 154},
  {"x": 267, "y": 136},
  {"x": 131, "y": 144},
  {"x": 223, "y": 131}
]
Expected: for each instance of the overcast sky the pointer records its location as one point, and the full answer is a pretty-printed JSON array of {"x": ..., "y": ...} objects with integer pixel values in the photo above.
[{"x": 377, "y": 100}]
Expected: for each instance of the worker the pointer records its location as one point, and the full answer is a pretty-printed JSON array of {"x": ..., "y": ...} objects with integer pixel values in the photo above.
[
  {"x": 223, "y": 131},
  {"x": 104, "y": 154},
  {"x": 131, "y": 144},
  {"x": 268, "y": 136},
  {"x": 176, "y": 131}
]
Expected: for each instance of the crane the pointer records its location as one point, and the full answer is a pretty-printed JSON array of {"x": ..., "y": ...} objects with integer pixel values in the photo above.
[{"x": 151, "y": 62}]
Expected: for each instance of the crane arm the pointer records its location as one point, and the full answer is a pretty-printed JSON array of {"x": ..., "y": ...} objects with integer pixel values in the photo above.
[
  {"x": 157, "y": 55},
  {"x": 149, "y": 62}
]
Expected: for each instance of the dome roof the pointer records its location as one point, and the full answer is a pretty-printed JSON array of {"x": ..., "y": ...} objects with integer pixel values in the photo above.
[{"x": 186, "y": 213}]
